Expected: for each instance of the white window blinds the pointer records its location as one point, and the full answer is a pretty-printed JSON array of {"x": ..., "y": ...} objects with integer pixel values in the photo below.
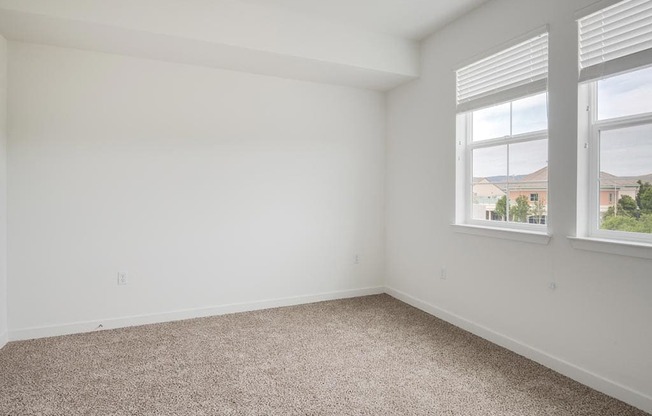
[
  {"x": 509, "y": 74},
  {"x": 615, "y": 39}
]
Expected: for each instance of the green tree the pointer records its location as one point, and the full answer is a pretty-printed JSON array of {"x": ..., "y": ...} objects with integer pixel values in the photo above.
[
  {"x": 610, "y": 212},
  {"x": 631, "y": 214},
  {"x": 627, "y": 206},
  {"x": 501, "y": 208},
  {"x": 538, "y": 210},
  {"x": 630, "y": 224},
  {"x": 644, "y": 197},
  {"x": 518, "y": 212}
]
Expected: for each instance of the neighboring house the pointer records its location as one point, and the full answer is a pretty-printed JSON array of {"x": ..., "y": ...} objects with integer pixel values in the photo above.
[
  {"x": 612, "y": 188},
  {"x": 534, "y": 187},
  {"x": 486, "y": 191},
  {"x": 485, "y": 196}
]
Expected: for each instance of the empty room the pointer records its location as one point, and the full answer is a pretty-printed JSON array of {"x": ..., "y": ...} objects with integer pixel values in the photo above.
[{"x": 326, "y": 207}]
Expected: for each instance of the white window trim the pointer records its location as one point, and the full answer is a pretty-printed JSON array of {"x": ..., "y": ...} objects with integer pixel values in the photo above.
[
  {"x": 592, "y": 204},
  {"x": 464, "y": 175},
  {"x": 620, "y": 248},
  {"x": 464, "y": 188},
  {"x": 525, "y": 236}
]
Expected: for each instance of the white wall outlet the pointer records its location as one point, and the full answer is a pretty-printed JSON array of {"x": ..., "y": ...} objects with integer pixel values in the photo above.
[
  {"x": 552, "y": 286},
  {"x": 123, "y": 278},
  {"x": 356, "y": 259},
  {"x": 443, "y": 274}
]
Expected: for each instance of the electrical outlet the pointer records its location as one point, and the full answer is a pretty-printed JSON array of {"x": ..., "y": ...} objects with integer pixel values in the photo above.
[
  {"x": 123, "y": 278},
  {"x": 356, "y": 259},
  {"x": 444, "y": 274},
  {"x": 552, "y": 286}
]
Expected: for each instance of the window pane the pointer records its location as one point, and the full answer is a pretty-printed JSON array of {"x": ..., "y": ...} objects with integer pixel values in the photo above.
[
  {"x": 490, "y": 163},
  {"x": 491, "y": 123},
  {"x": 530, "y": 114},
  {"x": 528, "y": 202},
  {"x": 528, "y": 161},
  {"x": 489, "y": 201},
  {"x": 625, "y": 175},
  {"x": 510, "y": 182},
  {"x": 528, "y": 182},
  {"x": 519, "y": 205},
  {"x": 626, "y": 152},
  {"x": 489, "y": 175},
  {"x": 625, "y": 95}
]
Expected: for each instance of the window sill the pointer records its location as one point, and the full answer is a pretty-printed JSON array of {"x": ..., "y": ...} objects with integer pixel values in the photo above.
[
  {"x": 618, "y": 247},
  {"x": 525, "y": 236}
]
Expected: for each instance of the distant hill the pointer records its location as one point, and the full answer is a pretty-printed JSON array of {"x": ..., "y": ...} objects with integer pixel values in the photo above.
[{"x": 503, "y": 179}]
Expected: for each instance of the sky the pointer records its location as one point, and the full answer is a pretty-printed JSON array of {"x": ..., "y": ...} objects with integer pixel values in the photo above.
[
  {"x": 529, "y": 114},
  {"x": 624, "y": 152}
]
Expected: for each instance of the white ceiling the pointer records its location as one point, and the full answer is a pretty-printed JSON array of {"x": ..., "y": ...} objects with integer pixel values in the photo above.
[
  {"x": 370, "y": 44},
  {"x": 410, "y": 19}
]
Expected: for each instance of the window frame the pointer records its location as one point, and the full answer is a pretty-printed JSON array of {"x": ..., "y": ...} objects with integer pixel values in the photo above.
[
  {"x": 466, "y": 146},
  {"x": 535, "y": 84},
  {"x": 595, "y": 127}
]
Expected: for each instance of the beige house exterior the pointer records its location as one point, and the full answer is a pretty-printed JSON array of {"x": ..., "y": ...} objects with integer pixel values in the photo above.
[{"x": 534, "y": 187}]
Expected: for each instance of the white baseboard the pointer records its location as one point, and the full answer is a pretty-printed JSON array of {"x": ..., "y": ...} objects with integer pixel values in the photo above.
[
  {"x": 89, "y": 326},
  {"x": 588, "y": 378},
  {"x": 4, "y": 338}
]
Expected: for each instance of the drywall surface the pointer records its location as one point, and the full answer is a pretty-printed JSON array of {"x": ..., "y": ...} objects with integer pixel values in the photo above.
[
  {"x": 3, "y": 191},
  {"x": 250, "y": 26},
  {"x": 597, "y": 321},
  {"x": 208, "y": 187},
  {"x": 225, "y": 34}
]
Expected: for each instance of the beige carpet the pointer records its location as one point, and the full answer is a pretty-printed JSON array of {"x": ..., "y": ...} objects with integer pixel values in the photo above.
[{"x": 365, "y": 356}]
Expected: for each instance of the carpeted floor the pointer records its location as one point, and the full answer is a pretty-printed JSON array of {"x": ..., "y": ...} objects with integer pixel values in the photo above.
[{"x": 365, "y": 356}]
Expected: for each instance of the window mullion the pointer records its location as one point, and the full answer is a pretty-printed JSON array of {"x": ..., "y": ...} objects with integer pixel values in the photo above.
[
  {"x": 621, "y": 122},
  {"x": 469, "y": 166},
  {"x": 507, "y": 188},
  {"x": 511, "y": 119},
  {"x": 542, "y": 135},
  {"x": 594, "y": 161}
]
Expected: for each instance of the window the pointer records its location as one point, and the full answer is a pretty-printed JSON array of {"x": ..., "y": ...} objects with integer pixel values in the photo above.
[
  {"x": 537, "y": 220},
  {"x": 616, "y": 82},
  {"x": 502, "y": 137}
]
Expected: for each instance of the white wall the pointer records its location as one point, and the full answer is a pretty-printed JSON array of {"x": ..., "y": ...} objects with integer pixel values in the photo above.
[
  {"x": 597, "y": 325},
  {"x": 209, "y": 187},
  {"x": 251, "y": 26},
  {"x": 226, "y": 34},
  {"x": 3, "y": 192}
]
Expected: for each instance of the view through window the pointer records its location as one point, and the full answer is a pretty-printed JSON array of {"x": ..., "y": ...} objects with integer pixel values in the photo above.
[
  {"x": 615, "y": 74},
  {"x": 624, "y": 131},
  {"x": 509, "y": 148},
  {"x": 502, "y": 135}
]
